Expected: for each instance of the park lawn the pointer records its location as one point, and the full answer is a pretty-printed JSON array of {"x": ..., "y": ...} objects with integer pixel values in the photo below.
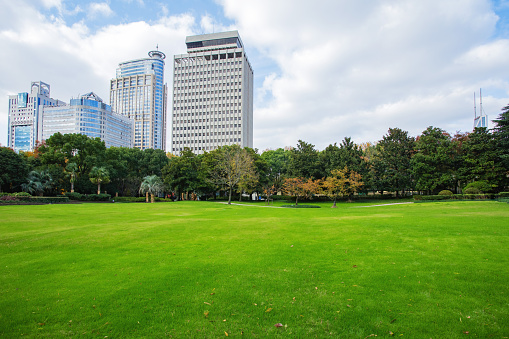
[{"x": 205, "y": 269}]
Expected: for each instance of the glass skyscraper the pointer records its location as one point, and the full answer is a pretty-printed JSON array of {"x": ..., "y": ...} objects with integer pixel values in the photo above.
[
  {"x": 25, "y": 116},
  {"x": 212, "y": 94},
  {"x": 139, "y": 92},
  {"x": 90, "y": 116}
]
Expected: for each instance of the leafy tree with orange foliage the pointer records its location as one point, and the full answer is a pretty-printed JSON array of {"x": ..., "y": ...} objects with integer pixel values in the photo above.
[
  {"x": 341, "y": 183},
  {"x": 301, "y": 188}
]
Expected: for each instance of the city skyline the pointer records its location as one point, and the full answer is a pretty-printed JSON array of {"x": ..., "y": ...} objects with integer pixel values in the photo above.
[{"x": 323, "y": 71}]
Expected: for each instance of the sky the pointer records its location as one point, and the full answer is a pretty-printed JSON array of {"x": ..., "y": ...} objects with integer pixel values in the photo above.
[{"x": 324, "y": 69}]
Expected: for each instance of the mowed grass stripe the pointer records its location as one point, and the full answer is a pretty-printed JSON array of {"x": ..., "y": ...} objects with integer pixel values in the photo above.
[{"x": 200, "y": 269}]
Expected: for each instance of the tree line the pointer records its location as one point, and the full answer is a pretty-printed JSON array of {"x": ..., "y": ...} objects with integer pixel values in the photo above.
[{"x": 435, "y": 160}]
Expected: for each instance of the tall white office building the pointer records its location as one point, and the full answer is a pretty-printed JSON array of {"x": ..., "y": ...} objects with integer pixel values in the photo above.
[
  {"x": 212, "y": 94},
  {"x": 25, "y": 116},
  {"x": 139, "y": 92}
]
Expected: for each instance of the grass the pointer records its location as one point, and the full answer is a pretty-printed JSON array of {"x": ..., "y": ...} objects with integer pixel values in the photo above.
[{"x": 207, "y": 270}]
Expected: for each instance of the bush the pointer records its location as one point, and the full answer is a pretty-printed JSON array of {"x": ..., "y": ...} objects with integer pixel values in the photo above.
[
  {"x": 445, "y": 192},
  {"x": 21, "y": 194},
  {"x": 130, "y": 199},
  {"x": 96, "y": 197},
  {"x": 503, "y": 194},
  {"x": 46, "y": 200},
  {"x": 74, "y": 196},
  {"x": 8, "y": 197},
  {"x": 477, "y": 187},
  {"x": 454, "y": 197}
]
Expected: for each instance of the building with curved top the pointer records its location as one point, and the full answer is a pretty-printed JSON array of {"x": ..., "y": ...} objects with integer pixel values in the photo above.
[{"x": 139, "y": 93}]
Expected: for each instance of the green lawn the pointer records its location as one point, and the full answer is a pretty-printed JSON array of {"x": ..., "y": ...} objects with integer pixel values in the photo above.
[{"x": 205, "y": 269}]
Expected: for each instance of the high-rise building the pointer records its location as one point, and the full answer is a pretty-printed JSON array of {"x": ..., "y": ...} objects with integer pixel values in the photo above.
[
  {"x": 212, "y": 94},
  {"x": 25, "y": 116},
  {"x": 90, "y": 116},
  {"x": 139, "y": 92}
]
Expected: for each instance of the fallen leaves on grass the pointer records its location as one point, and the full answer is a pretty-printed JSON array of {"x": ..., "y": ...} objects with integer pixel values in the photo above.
[
  {"x": 278, "y": 325},
  {"x": 354, "y": 266},
  {"x": 269, "y": 309}
]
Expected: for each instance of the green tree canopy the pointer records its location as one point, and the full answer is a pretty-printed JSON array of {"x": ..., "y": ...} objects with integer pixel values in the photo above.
[{"x": 14, "y": 170}]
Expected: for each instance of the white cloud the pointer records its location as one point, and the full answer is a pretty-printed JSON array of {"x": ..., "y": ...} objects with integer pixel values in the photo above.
[
  {"x": 102, "y": 9},
  {"x": 350, "y": 69}
]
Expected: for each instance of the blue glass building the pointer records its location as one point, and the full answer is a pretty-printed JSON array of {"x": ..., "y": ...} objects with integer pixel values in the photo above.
[
  {"x": 139, "y": 92},
  {"x": 25, "y": 116}
]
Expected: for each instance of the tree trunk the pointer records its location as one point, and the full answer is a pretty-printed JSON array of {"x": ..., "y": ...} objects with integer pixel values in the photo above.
[
  {"x": 146, "y": 196},
  {"x": 99, "y": 188},
  {"x": 334, "y": 205},
  {"x": 296, "y": 201},
  {"x": 230, "y": 196},
  {"x": 152, "y": 199},
  {"x": 72, "y": 187}
]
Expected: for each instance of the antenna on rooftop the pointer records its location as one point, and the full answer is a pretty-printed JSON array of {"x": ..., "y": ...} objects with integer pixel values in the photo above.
[
  {"x": 475, "y": 108},
  {"x": 482, "y": 119}
]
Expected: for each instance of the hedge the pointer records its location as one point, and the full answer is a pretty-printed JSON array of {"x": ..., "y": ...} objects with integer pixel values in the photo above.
[
  {"x": 486, "y": 196},
  {"x": 139, "y": 199}
]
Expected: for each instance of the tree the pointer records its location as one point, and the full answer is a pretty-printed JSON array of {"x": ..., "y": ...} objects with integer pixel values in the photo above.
[
  {"x": 37, "y": 182},
  {"x": 72, "y": 171},
  {"x": 230, "y": 166},
  {"x": 480, "y": 159},
  {"x": 182, "y": 173},
  {"x": 152, "y": 185},
  {"x": 13, "y": 171},
  {"x": 432, "y": 163},
  {"x": 347, "y": 154},
  {"x": 301, "y": 188},
  {"x": 501, "y": 132},
  {"x": 341, "y": 183},
  {"x": 305, "y": 161},
  {"x": 99, "y": 175},
  {"x": 391, "y": 161},
  {"x": 277, "y": 162}
]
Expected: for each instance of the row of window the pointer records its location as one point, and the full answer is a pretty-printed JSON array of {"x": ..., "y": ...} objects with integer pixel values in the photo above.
[{"x": 207, "y": 141}]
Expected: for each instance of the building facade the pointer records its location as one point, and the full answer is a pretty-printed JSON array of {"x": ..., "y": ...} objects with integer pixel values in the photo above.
[
  {"x": 26, "y": 118},
  {"x": 212, "y": 94},
  {"x": 139, "y": 93},
  {"x": 90, "y": 116}
]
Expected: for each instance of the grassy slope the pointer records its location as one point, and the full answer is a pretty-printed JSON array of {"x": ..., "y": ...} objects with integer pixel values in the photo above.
[{"x": 200, "y": 269}]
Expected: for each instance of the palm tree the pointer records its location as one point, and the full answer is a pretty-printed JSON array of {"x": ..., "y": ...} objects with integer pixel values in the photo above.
[
  {"x": 99, "y": 175},
  {"x": 38, "y": 182},
  {"x": 72, "y": 170},
  {"x": 151, "y": 184}
]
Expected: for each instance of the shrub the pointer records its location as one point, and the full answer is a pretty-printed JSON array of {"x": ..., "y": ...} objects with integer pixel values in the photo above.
[
  {"x": 503, "y": 194},
  {"x": 445, "y": 192},
  {"x": 22, "y": 194},
  {"x": 97, "y": 197},
  {"x": 477, "y": 187},
  {"x": 74, "y": 196},
  {"x": 8, "y": 198},
  {"x": 471, "y": 190},
  {"x": 47, "y": 200},
  {"x": 130, "y": 199}
]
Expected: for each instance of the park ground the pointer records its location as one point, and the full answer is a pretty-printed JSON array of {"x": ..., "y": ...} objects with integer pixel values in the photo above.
[{"x": 209, "y": 270}]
